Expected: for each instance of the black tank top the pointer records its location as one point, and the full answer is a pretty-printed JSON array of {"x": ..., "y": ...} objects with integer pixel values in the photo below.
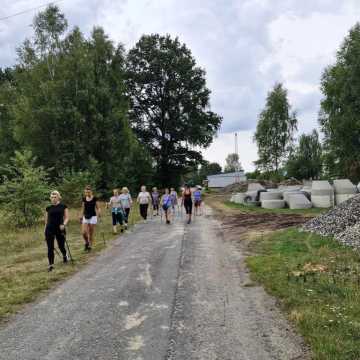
[
  {"x": 89, "y": 207},
  {"x": 187, "y": 195}
]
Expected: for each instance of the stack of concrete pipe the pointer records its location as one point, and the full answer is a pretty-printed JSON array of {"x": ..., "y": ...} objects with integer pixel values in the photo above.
[
  {"x": 253, "y": 190},
  {"x": 307, "y": 188},
  {"x": 344, "y": 190},
  {"x": 272, "y": 200},
  {"x": 270, "y": 195},
  {"x": 238, "y": 198},
  {"x": 273, "y": 204},
  {"x": 298, "y": 201},
  {"x": 287, "y": 194},
  {"x": 322, "y": 194}
]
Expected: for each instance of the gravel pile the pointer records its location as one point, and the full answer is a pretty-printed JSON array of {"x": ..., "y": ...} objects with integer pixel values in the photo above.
[
  {"x": 337, "y": 220},
  {"x": 351, "y": 236}
]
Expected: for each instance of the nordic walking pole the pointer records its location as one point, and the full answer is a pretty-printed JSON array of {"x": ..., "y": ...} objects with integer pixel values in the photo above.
[
  {"x": 151, "y": 210},
  {"x": 57, "y": 252},
  {"x": 68, "y": 248}
]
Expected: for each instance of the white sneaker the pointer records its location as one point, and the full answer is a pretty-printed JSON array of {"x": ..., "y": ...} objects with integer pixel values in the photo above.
[{"x": 145, "y": 221}]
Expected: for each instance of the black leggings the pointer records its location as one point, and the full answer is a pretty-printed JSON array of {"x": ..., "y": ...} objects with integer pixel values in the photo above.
[
  {"x": 117, "y": 218},
  {"x": 50, "y": 235},
  {"x": 127, "y": 213},
  {"x": 188, "y": 204},
  {"x": 144, "y": 210}
]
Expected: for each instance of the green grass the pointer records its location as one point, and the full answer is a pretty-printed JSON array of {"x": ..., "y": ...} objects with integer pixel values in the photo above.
[
  {"x": 325, "y": 307},
  {"x": 23, "y": 260},
  {"x": 257, "y": 209}
]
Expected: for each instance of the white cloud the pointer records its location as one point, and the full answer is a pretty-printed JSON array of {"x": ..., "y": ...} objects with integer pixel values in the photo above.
[{"x": 244, "y": 45}]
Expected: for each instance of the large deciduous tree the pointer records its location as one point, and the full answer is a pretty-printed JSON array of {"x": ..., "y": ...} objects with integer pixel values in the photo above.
[
  {"x": 170, "y": 110},
  {"x": 275, "y": 129},
  {"x": 305, "y": 162},
  {"x": 340, "y": 109}
]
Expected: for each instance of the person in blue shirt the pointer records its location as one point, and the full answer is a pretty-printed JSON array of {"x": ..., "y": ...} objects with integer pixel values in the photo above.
[
  {"x": 197, "y": 201},
  {"x": 166, "y": 204},
  {"x": 174, "y": 199}
]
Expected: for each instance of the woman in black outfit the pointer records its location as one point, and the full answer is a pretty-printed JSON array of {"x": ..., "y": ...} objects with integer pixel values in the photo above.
[
  {"x": 56, "y": 218},
  {"x": 187, "y": 201}
]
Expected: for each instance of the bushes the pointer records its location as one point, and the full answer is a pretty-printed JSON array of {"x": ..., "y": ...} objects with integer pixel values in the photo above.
[
  {"x": 24, "y": 190},
  {"x": 72, "y": 186}
]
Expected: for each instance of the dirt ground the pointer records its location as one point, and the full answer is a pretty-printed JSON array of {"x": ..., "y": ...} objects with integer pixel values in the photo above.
[{"x": 236, "y": 224}]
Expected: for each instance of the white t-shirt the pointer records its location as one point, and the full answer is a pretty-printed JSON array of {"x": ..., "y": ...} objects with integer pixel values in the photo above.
[
  {"x": 125, "y": 200},
  {"x": 143, "y": 197}
]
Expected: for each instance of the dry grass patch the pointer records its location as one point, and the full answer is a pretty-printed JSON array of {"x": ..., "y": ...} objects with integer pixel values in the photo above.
[{"x": 23, "y": 260}]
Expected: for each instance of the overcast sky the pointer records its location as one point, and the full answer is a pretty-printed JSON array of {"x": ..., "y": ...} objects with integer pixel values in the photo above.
[{"x": 245, "y": 47}]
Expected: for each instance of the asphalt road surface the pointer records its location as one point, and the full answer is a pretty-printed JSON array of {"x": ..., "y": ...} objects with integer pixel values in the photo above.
[{"x": 161, "y": 292}]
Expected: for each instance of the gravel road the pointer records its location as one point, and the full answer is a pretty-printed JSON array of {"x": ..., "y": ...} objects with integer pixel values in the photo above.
[{"x": 162, "y": 292}]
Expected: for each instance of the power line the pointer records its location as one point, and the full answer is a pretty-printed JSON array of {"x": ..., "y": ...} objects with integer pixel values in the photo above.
[{"x": 29, "y": 10}]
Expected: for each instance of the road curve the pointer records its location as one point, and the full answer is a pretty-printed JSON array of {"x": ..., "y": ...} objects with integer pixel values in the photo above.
[{"x": 162, "y": 292}]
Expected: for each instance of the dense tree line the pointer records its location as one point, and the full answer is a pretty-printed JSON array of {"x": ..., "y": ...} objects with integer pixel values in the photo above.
[{"x": 82, "y": 105}]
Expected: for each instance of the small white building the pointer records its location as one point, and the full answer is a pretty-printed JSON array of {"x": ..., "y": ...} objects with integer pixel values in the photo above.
[{"x": 222, "y": 180}]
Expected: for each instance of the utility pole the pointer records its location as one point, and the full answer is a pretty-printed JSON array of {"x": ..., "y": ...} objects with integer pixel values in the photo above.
[{"x": 237, "y": 170}]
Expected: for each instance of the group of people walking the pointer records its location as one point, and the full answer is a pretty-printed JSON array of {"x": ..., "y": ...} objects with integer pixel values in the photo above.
[{"x": 57, "y": 213}]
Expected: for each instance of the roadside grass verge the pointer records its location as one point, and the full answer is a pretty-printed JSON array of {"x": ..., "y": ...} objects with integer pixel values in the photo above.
[
  {"x": 257, "y": 209},
  {"x": 324, "y": 304},
  {"x": 23, "y": 259}
]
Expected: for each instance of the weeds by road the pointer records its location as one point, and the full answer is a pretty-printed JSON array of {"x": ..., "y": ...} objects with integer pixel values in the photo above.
[
  {"x": 23, "y": 260},
  {"x": 316, "y": 280}
]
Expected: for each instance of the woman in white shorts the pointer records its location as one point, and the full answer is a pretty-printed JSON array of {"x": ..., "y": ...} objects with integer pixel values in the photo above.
[{"x": 89, "y": 217}]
